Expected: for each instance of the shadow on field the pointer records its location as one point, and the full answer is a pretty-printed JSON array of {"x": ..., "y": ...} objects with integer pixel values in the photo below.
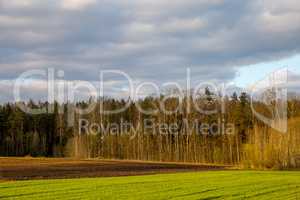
[{"x": 40, "y": 168}]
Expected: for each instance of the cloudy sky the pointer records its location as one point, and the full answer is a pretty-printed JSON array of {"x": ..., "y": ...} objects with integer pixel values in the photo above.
[{"x": 150, "y": 40}]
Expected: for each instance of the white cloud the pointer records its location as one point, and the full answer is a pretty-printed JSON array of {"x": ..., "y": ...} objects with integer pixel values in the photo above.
[
  {"x": 281, "y": 7},
  {"x": 187, "y": 25},
  {"x": 282, "y": 23},
  {"x": 76, "y": 4},
  {"x": 140, "y": 28},
  {"x": 14, "y": 21},
  {"x": 17, "y": 3}
]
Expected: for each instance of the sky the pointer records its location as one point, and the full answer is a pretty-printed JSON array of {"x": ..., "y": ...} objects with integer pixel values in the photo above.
[
  {"x": 150, "y": 40},
  {"x": 251, "y": 74}
]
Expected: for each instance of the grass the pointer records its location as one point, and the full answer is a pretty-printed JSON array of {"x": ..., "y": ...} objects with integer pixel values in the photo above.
[{"x": 201, "y": 185}]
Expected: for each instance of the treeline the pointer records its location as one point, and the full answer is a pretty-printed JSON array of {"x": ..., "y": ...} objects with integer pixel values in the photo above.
[{"x": 229, "y": 135}]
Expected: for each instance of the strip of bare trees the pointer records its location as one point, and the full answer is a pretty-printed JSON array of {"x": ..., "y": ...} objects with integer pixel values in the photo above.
[{"x": 248, "y": 142}]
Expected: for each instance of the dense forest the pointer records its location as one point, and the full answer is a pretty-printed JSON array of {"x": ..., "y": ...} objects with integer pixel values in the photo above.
[{"x": 251, "y": 143}]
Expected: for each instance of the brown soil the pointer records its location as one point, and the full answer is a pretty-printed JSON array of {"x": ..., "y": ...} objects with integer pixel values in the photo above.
[{"x": 44, "y": 168}]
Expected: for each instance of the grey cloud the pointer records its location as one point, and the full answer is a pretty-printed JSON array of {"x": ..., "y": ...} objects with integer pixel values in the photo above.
[{"x": 149, "y": 40}]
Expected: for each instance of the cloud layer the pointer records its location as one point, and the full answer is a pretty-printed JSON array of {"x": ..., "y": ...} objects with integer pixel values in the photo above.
[{"x": 149, "y": 40}]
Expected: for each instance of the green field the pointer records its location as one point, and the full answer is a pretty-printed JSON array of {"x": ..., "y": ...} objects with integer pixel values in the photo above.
[{"x": 201, "y": 185}]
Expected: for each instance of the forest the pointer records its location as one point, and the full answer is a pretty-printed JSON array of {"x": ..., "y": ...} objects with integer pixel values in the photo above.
[{"x": 251, "y": 143}]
